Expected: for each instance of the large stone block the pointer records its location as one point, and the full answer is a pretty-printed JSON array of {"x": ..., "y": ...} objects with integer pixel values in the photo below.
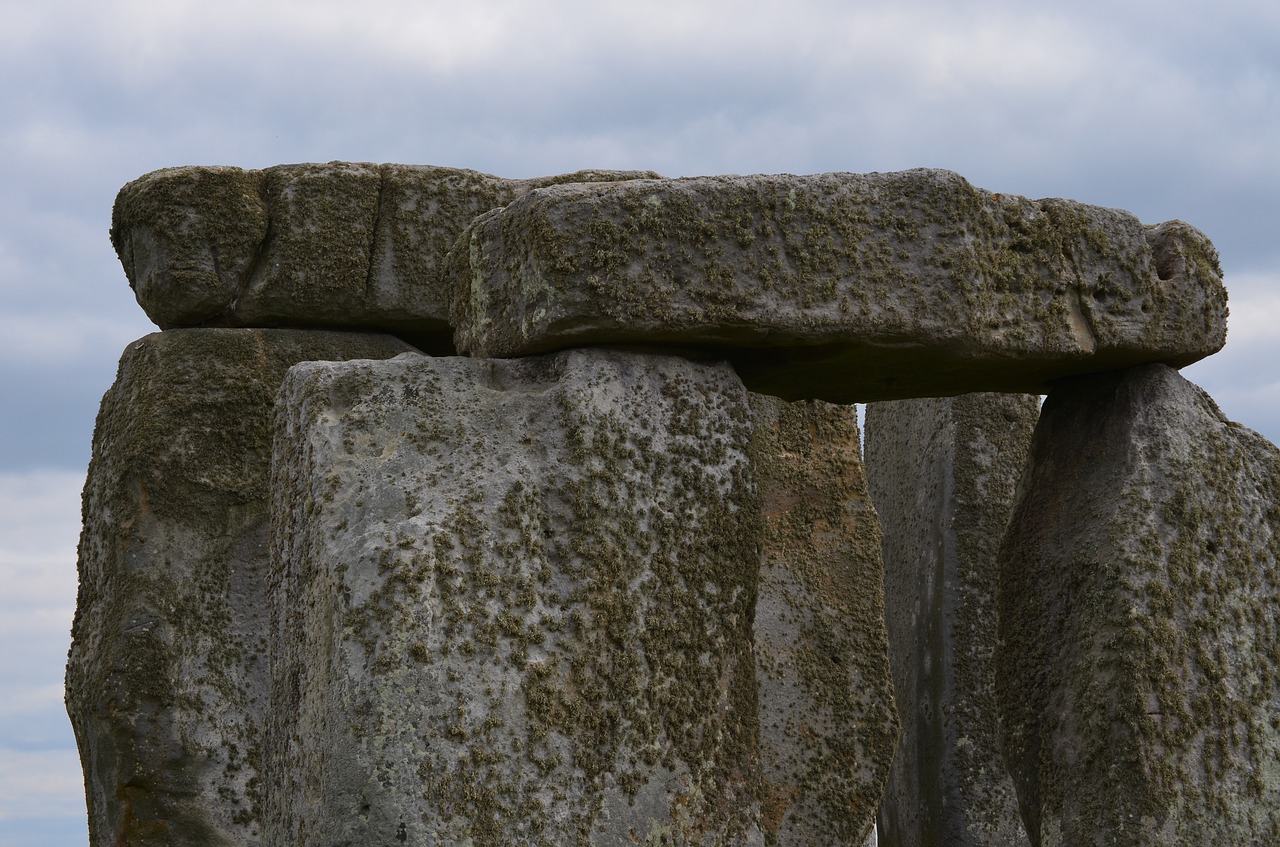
[
  {"x": 841, "y": 287},
  {"x": 516, "y": 601},
  {"x": 828, "y": 724},
  {"x": 513, "y": 604},
  {"x": 1139, "y": 674},
  {"x": 343, "y": 245},
  {"x": 168, "y": 673},
  {"x": 943, "y": 473}
]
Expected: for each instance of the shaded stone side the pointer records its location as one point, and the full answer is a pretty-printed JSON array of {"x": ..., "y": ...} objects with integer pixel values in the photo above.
[
  {"x": 943, "y": 474},
  {"x": 828, "y": 725},
  {"x": 1140, "y": 578},
  {"x": 168, "y": 670},
  {"x": 841, "y": 287},
  {"x": 512, "y": 604},
  {"x": 341, "y": 245}
]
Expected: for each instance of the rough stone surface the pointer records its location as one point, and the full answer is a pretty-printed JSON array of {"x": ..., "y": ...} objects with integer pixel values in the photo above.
[
  {"x": 343, "y": 245},
  {"x": 1139, "y": 677},
  {"x": 168, "y": 673},
  {"x": 943, "y": 473},
  {"x": 828, "y": 725},
  {"x": 513, "y": 604},
  {"x": 841, "y": 287}
]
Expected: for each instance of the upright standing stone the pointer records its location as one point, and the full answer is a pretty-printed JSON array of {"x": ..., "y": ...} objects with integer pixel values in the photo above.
[
  {"x": 943, "y": 474},
  {"x": 1139, "y": 676},
  {"x": 168, "y": 672},
  {"x": 828, "y": 725},
  {"x": 513, "y": 604}
]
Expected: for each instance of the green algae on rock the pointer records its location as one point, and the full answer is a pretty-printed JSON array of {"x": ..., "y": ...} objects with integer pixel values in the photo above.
[
  {"x": 841, "y": 287},
  {"x": 513, "y": 604},
  {"x": 1140, "y": 577},
  {"x": 943, "y": 473},
  {"x": 828, "y": 725},
  {"x": 340, "y": 245},
  {"x": 167, "y": 676}
]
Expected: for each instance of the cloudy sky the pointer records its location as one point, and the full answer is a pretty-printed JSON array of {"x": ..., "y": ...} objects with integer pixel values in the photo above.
[{"x": 1169, "y": 109}]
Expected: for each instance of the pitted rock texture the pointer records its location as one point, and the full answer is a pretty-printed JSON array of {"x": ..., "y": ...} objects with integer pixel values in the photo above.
[
  {"x": 513, "y": 604},
  {"x": 841, "y": 287},
  {"x": 342, "y": 245},
  {"x": 943, "y": 473},
  {"x": 1140, "y": 578},
  {"x": 828, "y": 725},
  {"x": 168, "y": 674}
]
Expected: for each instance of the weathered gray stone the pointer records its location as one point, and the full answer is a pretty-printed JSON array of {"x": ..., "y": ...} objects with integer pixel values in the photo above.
[
  {"x": 828, "y": 725},
  {"x": 168, "y": 673},
  {"x": 840, "y": 287},
  {"x": 513, "y": 604},
  {"x": 943, "y": 474},
  {"x": 343, "y": 245},
  {"x": 1139, "y": 673}
]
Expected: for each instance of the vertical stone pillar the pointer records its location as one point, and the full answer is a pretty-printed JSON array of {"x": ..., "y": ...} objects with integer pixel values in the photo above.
[
  {"x": 828, "y": 724},
  {"x": 167, "y": 675},
  {"x": 513, "y": 603},
  {"x": 943, "y": 473},
  {"x": 1139, "y": 673}
]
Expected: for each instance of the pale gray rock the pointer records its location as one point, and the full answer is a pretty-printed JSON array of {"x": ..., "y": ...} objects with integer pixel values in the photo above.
[
  {"x": 168, "y": 672},
  {"x": 943, "y": 473},
  {"x": 1139, "y": 673},
  {"x": 341, "y": 245},
  {"x": 828, "y": 725},
  {"x": 513, "y": 604},
  {"x": 841, "y": 287}
]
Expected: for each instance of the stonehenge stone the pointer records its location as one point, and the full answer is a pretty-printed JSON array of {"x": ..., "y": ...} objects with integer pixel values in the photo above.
[
  {"x": 841, "y": 287},
  {"x": 943, "y": 473},
  {"x": 539, "y": 578},
  {"x": 1140, "y": 577},
  {"x": 513, "y": 604},
  {"x": 168, "y": 672},
  {"x": 828, "y": 724},
  {"x": 617, "y": 578},
  {"x": 339, "y": 245}
]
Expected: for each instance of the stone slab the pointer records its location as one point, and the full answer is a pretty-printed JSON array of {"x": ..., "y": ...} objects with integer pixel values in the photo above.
[
  {"x": 828, "y": 724},
  {"x": 340, "y": 245},
  {"x": 943, "y": 473},
  {"x": 841, "y": 287},
  {"x": 1139, "y": 673},
  {"x": 513, "y": 604},
  {"x": 168, "y": 673}
]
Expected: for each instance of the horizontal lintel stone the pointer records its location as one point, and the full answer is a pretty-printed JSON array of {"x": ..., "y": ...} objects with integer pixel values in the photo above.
[
  {"x": 841, "y": 287},
  {"x": 338, "y": 245}
]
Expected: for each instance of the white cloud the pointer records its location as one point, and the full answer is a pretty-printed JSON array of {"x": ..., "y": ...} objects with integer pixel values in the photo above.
[
  {"x": 39, "y": 529},
  {"x": 1244, "y": 377},
  {"x": 41, "y": 786},
  {"x": 58, "y": 339},
  {"x": 39, "y": 515},
  {"x": 40, "y": 783},
  {"x": 1254, "y": 299}
]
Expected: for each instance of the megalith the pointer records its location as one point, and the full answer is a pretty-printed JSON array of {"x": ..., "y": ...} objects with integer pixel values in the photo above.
[
  {"x": 828, "y": 723},
  {"x": 343, "y": 245},
  {"x": 516, "y": 603},
  {"x": 168, "y": 672},
  {"x": 617, "y": 578},
  {"x": 513, "y": 603},
  {"x": 1140, "y": 578},
  {"x": 943, "y": 473},
  {"x": 840, "y": 287}
]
